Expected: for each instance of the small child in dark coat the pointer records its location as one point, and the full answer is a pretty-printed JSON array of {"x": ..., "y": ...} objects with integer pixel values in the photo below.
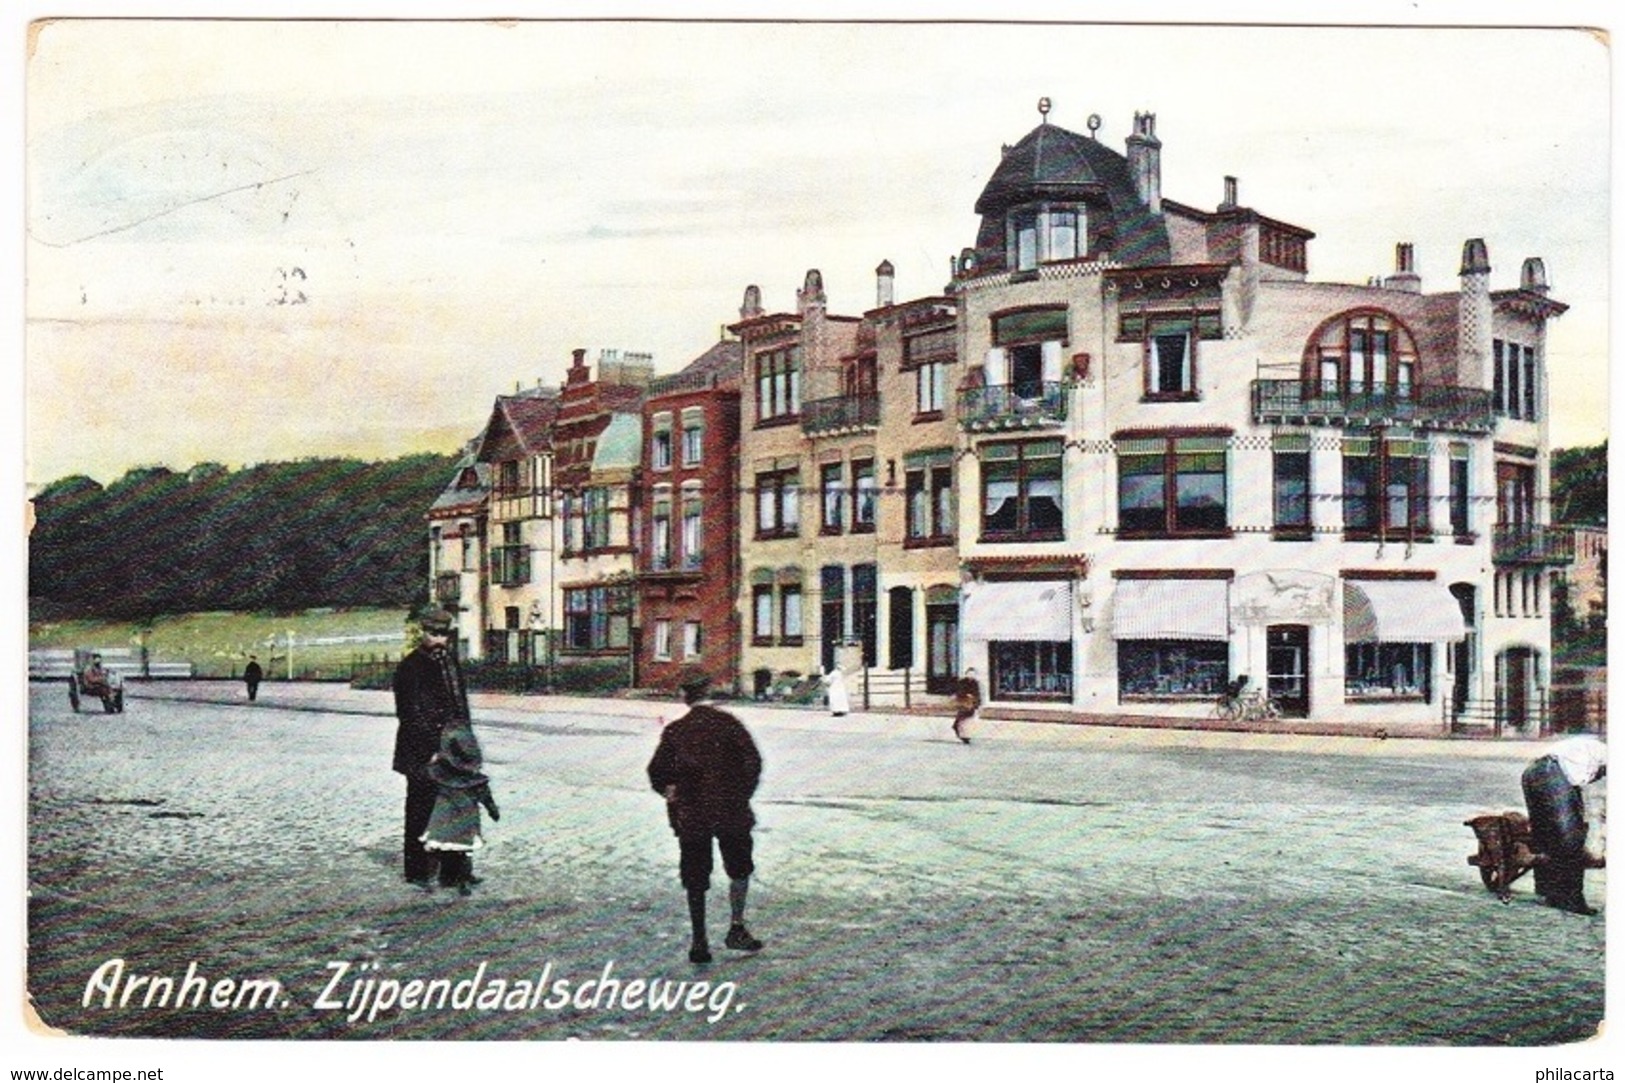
[{"x": 462, "y": 787}]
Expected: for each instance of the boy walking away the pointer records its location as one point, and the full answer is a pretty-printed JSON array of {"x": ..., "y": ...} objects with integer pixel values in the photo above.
[
  {"x": 707, "y": 767},
  {"x": 461, "y": 787}
]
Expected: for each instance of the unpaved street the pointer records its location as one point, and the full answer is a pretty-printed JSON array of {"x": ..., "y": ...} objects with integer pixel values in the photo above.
[{"x": 1046, "y": 883}]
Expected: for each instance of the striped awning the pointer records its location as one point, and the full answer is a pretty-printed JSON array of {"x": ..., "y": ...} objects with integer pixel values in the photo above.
[
  {"x": 1400, "y": 611},
  {"x": 1171, "y": 609},
  {"x": 1017, "y": 609}
]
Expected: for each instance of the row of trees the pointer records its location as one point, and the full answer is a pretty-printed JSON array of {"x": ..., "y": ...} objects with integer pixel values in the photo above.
[{"x": 274, "y": 536}]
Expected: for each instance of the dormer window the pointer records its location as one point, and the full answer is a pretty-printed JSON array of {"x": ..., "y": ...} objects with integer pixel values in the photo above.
[{"x": 1045, "y": 234}]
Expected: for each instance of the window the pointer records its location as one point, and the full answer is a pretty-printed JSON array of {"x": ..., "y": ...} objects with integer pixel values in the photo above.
[
  {"x": 777, "y": 498},
  {"x": 1363, "y": 353},
  {"x": 1045, "y": 234},
  {"x": 762, "y": 615},
  {"x": 1515, "y": 376},
  {"x": 790, "y": 614},
  {"x": 1172, "y": 668},
  {"x": 1168, "y": 363},
  {"x": 778, "y": 383},
  {"x": 1021, "y": 491},
  {"x": 1460, "y": 522},
  {"x": 434, "y": 551},
  {"x": 595, "y": 518},
  {"x": 597, "y": 618},
  {"x": 1172, "y": 485},
  {"x": 1292, "y": 514},
  {"x": 508, "y": 477},
  {"x": 693, "y": 437},
  {"x": 928, "y": 491},
  {"x": 1385, "y": 487},
  {"x": 863, "y": 496},
  {"x": 930, "y": 387},
  {"x": 662, "y": 643},
  {"x": 1384, "y": 670},
  {"x": 470, "y": 560},
  {"x": 1168, "y": 345},
  {"x": 693, "y": 527},
  {"x": 866, "y": 611},
  {"x": 660, "y": 443},
  {"x": 660, "y": 531},
  {"x": 510, "y": 561},
  {"x": 832, "y": 493},
  {"x": 570, "y": 512},
  {"x": 691, "y": 639},
  {"x": 1024, "y": 239}
]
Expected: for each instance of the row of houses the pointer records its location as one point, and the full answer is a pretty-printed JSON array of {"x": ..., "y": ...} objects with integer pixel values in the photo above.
[{"x": 1130, "y": 454}]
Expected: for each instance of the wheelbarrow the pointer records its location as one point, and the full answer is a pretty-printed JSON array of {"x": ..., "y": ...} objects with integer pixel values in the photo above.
[{"x": 1506, "y": 851}]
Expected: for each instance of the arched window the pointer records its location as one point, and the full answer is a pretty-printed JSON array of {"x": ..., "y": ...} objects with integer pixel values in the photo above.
[{"x": 1362, "y": 352}]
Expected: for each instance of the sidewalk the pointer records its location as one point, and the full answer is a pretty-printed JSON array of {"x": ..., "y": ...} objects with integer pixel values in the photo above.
[{"x": 1002, "y": 725}]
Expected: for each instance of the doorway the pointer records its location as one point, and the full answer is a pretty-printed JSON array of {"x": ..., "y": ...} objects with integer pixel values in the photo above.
[{"x": 1286, "y": 664}]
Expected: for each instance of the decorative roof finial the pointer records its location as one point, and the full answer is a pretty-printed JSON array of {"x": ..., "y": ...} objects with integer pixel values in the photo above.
[
  {"x": 1043, "y": 109},
  {"x": 1094, "y": 125}
]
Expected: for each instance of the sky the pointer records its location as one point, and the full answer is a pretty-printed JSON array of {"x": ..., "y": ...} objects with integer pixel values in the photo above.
[{"x": 251, "y": 240}]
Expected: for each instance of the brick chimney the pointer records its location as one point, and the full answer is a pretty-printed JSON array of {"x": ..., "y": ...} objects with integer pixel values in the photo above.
[
  {"x": 1145, "y": 161},
  {"x": 885, "y": 277},
  {"x": 1404, "y": 278}
]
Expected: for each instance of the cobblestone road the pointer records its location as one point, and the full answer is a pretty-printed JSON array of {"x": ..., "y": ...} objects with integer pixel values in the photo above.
[{"x": 1046, "y": 883}]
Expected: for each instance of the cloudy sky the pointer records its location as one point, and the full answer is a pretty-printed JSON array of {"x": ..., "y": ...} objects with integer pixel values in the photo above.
[{"x": 261, "y": 240}]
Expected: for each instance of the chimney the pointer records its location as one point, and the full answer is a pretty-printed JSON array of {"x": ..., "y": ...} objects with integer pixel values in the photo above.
[
  {"x": 1404, "y": 278},
  {"x": 753, "y": 303},
  {"x": 1474, "y": 313},
  {"x": 811, "y": 293},
  {"x": 1145, "y": 161},
  {"x": 884, "y": 281},
  {"x": 1533, "y": 277},
  {"x": 1229, "y": 203},
  {"x": 578, "y": 373}
]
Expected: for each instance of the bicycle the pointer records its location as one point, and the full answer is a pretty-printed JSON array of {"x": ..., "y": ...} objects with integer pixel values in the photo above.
[{"x": 1252, "y": 705}]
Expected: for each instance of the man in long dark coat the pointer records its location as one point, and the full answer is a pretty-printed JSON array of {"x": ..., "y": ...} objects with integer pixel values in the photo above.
[
  {"x": 429, "y": 695},
  {"x": 707, "y": 767}
]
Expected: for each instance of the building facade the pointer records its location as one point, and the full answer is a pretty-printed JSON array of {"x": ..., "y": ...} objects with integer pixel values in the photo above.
[
  {"x": 1185, "y": 462},
  {"x": 688, "y": 545}
]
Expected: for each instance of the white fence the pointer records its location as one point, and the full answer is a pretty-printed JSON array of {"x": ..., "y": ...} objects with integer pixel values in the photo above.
[{"x": 47, "y": 664}]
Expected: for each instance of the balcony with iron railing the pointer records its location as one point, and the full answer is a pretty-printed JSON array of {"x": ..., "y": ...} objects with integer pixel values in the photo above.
[
  {"x": 1026, "y": 405},
  {"x": 1431, "y": 406},
  {"x": 844, "y": 413},
  {"x": 1532, "y": 544}
]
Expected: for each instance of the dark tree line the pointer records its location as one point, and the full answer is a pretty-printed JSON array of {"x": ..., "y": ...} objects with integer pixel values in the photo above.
[
  {"x": 1580, "y": 485},
  {"x": 274, "y": 536}
]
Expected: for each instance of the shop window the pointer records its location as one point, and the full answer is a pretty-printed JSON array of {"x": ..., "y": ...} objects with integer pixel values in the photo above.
[
  {"x": 1172, "y": 668},
  {"x": 1036, "y": 670},
  {"x": 1388, "y": 670}
]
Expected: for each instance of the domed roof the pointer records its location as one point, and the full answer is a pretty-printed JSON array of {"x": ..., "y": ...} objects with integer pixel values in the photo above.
[
  {"x": 1051, "y": 163},
  {"x": 1054, "y": 164}
]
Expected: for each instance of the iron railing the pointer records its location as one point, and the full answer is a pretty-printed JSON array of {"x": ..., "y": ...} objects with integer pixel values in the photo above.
[
  {"x": 1533, "y": 544},
  {"x": 840, "y": 413},
  {"x": 1014, "y": 406},
  {"x": 1434, "y": 406}
]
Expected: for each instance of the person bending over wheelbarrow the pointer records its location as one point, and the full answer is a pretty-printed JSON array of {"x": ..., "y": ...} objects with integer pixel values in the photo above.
[{"x": 1557, "y": 819}]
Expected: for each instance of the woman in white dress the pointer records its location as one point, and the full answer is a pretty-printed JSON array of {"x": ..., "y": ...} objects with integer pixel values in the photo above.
[{"x": 839, "y": 702}]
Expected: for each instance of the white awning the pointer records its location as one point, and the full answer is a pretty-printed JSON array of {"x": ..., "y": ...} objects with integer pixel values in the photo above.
[
  {"x": 1400, "y": 611},
  {"x": 1013, "y": 609},
  {"x": 1171, "y": 609}
]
